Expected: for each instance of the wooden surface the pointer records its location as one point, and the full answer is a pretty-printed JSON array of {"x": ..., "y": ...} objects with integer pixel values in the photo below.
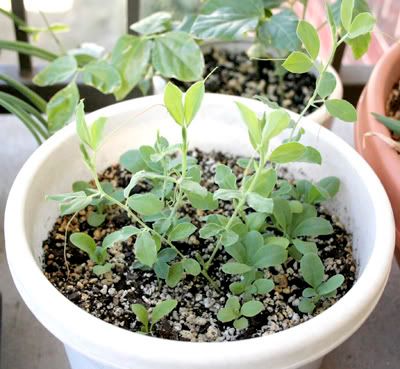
[{"x": 27, "y": 345}]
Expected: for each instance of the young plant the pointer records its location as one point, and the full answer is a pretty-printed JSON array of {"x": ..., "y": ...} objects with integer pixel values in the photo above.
[
  {"x": 312, "y": 270},
  {"x": 234, "y": 311},
  {"x": 149, "y": 319}
]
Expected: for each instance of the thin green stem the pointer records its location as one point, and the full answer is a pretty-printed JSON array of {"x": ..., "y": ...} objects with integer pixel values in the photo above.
[{"x": 53, "y": 35}]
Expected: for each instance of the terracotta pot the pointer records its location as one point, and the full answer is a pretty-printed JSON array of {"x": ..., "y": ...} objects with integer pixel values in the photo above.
[{"x": 383, "y": 159}]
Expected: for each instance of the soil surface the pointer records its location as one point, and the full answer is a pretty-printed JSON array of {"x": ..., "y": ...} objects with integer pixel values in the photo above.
[
  {"x": 110, "y": 296},
  {"x": 240, "y": 76},
  {"x": 393, "y": 103}
]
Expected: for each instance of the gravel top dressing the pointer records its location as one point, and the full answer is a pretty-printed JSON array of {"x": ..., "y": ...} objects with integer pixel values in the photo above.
[
  {"x": 240, "y": 76},
  {"x": 109, "y": 297}
]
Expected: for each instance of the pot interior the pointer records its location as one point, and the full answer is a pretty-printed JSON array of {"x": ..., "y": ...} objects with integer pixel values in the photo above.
[{"x": 217, "y": 127}]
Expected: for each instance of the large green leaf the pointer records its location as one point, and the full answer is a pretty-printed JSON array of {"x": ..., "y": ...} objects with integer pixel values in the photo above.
[
  {"x": 102, "y": 76},
  {"x": 176, "y": 55},
  {"x": 280, "y": 31},
  {"x": 228, "y": 20},
  {"x": 60, "y": 70},
  {"x": 130, "y": 57},
  {"x": 61, "y": 107}
]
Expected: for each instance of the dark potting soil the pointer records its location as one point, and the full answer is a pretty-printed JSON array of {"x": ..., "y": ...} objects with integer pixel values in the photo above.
[
  {"x": 110, "y": 296},
  {"x": 240, "y": 76},
  {"x": 393, "y": 102}
]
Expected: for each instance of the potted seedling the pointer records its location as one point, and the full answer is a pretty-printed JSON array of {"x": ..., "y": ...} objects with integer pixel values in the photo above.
[
  {"x": 376, "y": 131},
  {"x": 211, "y": 234},
  {"x": 159, "y": 46}
]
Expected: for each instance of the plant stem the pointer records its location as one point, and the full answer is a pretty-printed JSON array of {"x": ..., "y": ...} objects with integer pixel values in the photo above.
[{"x": 53, "y": 35}]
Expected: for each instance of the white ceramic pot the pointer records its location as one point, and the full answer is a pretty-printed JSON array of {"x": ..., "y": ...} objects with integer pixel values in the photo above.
[
  {"x": 320, "y": 115},
  {"x": 361, "y": 204}
]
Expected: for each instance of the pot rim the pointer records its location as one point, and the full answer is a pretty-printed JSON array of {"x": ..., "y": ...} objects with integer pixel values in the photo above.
[{"x": 103, "y": 341}]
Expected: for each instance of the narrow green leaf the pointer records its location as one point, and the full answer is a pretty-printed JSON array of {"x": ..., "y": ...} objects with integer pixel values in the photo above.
[
  {"x": 96, "y": 132},
  {"x": 162, "y": 309},
  {"x": 235, "y": 268},
  {"x": 346, "y": 13},
  {"x": 173, "y": 102},
  {"x": 309, "y": 37},
  {"x": 331, "y": 285},
  {"x": 141, "y": 314},
  {"x": 252, "y": 122},
  {"x": 193, "y": 98},
  {"x": 391, "y": 123},
  {"x": 146, "y": 249},
  {"x": 312, "y": 269}
]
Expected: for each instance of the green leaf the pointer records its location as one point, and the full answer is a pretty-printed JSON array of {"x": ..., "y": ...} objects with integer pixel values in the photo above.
[
  {"x": 255, "y": 221},
  {"x": 95, "y": 219},
  {"x": 118, "y": 236},
  {"x": 264, "y": 285},
  {"x": 181, "y": 231},
  {"x": 173, "y": 102},
  {"x": 175, "y": 274},
  {"x": 102, "y": 76},
  {"x": 146, "y": 249},
  {"x": 282, "y": 213},
  {"x": 330, "y": 184},
  {"x": 96, "y": 132},
  {"x": 145, "y": 204},
  {"x": 306, "y": 305},
  {"x": 81, "y": 125},
  {"x": 228, "y": 21},
  {"x": 193, "y": 98},
  {"x": 277, "y": 121},
  {"x": 227, "y": 195},
  {"x": 309, "y": 37},
  {"x": 229, "y": 237},
  {"x": 60, "y": 70},
  {"x": 252, "y": 308},
  {"x": 141, "y": 314},
  {"x": 288, "y": 152},
  {"x": 271, "y": 255},
  {"x": 210, "y": 230},
  {"x": 176, "y": 55},
  {"x": 331, "y": 285},
  {"x": 362, "y": 24},
  {"x": 331, "y": 21},
  {"x": 224, "y": 177},
  {"x": 234, "y": 304},
  {"x": 341, "y": 109},
  {"x": 305, "y": 247},
  {"x": 235, "y": 268},
  {"x": 130, "y": 56},
  {"x": 279, "y": 31},
  {"x": 260, "y": 203},
  {"x": 71, "y": 205},
  {"x": 102, "y": 269},
  {"x": 346, "y": 13},
  {"x": 265, "y": 182},
  {"x": 61, "y": 107},
  {"x": 327, "y": 85},
  {"x": 194, "y": 188},
  {"x": 252, "y": 122},
  {"x": 312, "y": 269},
  {"x": 241, "y": 323},
  {"x": 155, "y": 23},
  {"x": 359, "y": 45},
  {"x": 313, "y": 227},
  {"x": 237, "y": 288},
  {"x": 132, "y": 161},
  {"x": 191, "y": 267},
  {"x": 309, "y": 292},
  {"x": 298, "y": 62},
  {"x": 311, "y": 155},
  {"x": 162, "y": 309},
  {"x": 390, "y": 123},
  {"x": 83, "y": 242},
  {"x": 203, "y": 203}
]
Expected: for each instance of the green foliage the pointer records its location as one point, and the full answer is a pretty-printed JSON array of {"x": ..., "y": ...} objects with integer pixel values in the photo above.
[
  {"x": 390, "y": 123},
  {"x": 149, "y": 319}
]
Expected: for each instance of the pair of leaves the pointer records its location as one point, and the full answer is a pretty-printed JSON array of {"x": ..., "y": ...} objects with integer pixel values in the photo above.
[
  {"x": 161, "y": 310},
  {"x": 183, "y": 112},
  {"x": 177, "y": 271},
  {"x": 311, "y": 193}
]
